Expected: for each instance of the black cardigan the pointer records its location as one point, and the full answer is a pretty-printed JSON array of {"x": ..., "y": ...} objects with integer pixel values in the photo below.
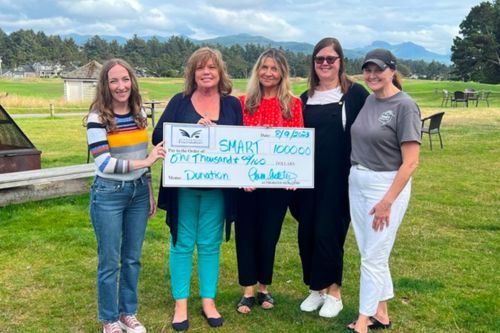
[{"x": 168, "y": 199}]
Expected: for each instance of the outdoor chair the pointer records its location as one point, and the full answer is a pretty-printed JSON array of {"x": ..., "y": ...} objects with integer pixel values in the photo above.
[
  {"x": 472, "y": 96},
  {"x": 433, "y": 128},
  {"x": 446, "y": 97},
  {"x": 459, "y": 97},
  {"x": 484, "y": 97}
]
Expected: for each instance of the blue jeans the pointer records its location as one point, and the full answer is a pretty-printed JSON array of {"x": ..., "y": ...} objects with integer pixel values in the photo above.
[{"x": 119, "y": 212}]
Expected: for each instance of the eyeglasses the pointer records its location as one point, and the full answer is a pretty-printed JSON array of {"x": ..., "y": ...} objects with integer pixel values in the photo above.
[{"x": 329, "y": 60}]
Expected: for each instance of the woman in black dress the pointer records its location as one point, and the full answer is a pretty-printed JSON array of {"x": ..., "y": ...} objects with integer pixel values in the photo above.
[{"x": 331, "y": 105}]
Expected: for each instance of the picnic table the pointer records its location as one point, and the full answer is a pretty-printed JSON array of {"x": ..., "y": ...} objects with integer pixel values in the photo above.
[
  {"x": 150, "y": 105},
  {"x": 466, "y": 96}
]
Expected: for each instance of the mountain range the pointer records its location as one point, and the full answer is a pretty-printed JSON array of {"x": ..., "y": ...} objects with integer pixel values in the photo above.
[{"x": 406, "y": 50}]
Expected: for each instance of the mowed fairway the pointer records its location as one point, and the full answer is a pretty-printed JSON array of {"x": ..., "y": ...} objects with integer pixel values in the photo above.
[
  {"x": 36, "y": 95},
  {"x": 444, "y": 264}
]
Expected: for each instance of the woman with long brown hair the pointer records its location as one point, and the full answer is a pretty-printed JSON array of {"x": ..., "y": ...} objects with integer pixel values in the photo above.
[
  {"x": 121, "y": 196},
  {"x": 331, "y": 104}
]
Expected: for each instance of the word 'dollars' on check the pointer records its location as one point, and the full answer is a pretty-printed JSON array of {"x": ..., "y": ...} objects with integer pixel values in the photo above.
[{"x": 238, "y": 156}]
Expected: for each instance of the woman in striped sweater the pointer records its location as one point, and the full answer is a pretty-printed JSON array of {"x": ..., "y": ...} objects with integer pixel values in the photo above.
[{"x": 121, "y": 196}]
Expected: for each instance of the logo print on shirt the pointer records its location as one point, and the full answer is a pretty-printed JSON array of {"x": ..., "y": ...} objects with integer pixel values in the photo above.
[
  {"x": 195, "y": 134},
  {"x": 386, "y": 117}
]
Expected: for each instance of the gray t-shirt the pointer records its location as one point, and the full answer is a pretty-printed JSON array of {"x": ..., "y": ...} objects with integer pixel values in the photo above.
[{"x": 381, "y": 127}]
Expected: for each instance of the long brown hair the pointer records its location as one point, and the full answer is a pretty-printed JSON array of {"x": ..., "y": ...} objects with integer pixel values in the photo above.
[
  {"x": 103, "y": 101},
  {"x": 397, "y": 81},
  {"x": 201, "y": 56},
  {"x": 254, "y": 89},
  {"x": 344, "y": 80}
]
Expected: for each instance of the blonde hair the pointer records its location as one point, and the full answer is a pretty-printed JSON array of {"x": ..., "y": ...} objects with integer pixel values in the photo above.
[
  {"x": 201, "y": 57},
  {"x": 103, "y": 101},
  {"x": 344, "y": 80},
  {"x": 254, "y": 88}
]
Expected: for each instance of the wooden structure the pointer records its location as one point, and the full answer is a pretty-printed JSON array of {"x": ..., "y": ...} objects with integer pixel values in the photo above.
[
  {"x": 33, "y": 185},
  {"x": 17, "y": 152},
  {"x": 80, "y": 84}
]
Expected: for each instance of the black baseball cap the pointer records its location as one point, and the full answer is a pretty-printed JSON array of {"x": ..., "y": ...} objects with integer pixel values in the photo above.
[{"x": 381, "y": 57}]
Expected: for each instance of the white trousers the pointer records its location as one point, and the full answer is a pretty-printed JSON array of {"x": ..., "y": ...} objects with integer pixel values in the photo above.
[{"x": 366, "y": 189}]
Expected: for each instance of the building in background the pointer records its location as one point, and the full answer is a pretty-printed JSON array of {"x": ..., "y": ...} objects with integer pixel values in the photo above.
[{"x": 80, "y": 84}]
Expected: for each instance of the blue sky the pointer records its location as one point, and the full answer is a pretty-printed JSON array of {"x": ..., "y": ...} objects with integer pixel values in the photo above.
[{"x": 356, "y": 23}]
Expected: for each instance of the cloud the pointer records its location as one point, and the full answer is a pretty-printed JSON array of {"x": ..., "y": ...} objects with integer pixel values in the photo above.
[
  {"x": 249, "y": 21},
  {"x": 102, "y": 9},
  {"x": 58, "y": 24},
  {"x": 431, "y": 38},
  {"x": 355, "y": 23}
]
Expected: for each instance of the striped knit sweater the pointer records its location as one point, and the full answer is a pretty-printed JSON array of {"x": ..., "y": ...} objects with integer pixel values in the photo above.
[{"x": 113, "y": 151}]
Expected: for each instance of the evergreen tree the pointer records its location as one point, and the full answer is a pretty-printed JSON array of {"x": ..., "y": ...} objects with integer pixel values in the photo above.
[
  {"x": 97, "y": 49},
  {"x": 165, "y": 59},
  {"x": 476, "y": 55}
]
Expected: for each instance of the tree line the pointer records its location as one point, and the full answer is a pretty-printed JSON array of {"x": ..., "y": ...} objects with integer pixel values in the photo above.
[
  {"x": 476, "y": 53},
  {"x": 167, "y": 59}
]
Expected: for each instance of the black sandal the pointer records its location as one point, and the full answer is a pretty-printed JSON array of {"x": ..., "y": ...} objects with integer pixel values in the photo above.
[
  {"x": 377, "y": 325},
  {"x": 245, "y": 301},
  {"x": 352, "y": 329},
  {"x": 265, "y": 297}
]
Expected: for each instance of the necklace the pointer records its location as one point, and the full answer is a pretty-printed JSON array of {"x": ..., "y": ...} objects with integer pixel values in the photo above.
[{"x": 207, "y": 102}]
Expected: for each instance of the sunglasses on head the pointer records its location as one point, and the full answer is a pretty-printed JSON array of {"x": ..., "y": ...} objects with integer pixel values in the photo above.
[{"x": 329, "y": 60}]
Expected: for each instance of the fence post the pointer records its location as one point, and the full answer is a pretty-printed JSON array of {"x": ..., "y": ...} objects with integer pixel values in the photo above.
[{"x": 51, "y": 110}]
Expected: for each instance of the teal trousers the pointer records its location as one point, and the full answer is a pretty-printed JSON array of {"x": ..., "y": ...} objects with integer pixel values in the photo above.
[{"x": 201, "y": 220}]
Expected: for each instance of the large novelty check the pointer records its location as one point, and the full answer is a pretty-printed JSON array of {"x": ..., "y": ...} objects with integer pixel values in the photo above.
[{"x": 238, "y": 156}]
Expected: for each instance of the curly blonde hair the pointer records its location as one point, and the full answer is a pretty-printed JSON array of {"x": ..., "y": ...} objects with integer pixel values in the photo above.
[
  {"x": 103, "y": 101},
  {"x": 201, "y": 57}
]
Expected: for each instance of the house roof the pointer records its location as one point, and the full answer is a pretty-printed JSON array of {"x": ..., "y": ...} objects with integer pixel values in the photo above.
[
  {"x": 25, "y": 69},
  {"x": 89, "y": 71}
]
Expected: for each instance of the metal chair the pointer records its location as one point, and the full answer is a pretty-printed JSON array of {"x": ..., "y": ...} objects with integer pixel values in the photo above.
[
  {"x": 471, "y": 95},
  {"x": 459, "y": 97},
  {"x": 484, "y": 97},
  {"x": 433, "y": 128}
]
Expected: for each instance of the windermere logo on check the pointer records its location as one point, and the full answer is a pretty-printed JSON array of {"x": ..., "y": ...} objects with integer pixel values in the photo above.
[
  {"x": 190, "y": 136},
  {"x": 195, "y": 134}
]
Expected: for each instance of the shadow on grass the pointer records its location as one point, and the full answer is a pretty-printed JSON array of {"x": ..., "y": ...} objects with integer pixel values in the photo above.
[
  {"x": 483, "y": 227},
  {"x": 418, "y": 285}
]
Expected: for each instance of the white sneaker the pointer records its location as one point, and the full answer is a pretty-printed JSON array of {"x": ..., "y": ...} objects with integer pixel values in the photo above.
[
  {"x": 331, "y": 308},
  {"x": 312, "y": 302},
  {"x": 113, "y": 327},
  {"x": 131, "y": 325}
]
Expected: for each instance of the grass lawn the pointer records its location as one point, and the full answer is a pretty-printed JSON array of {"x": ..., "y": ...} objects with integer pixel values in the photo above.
[
  {"x": 444, "y": 264},
  {"x": 36, "y": 95}
]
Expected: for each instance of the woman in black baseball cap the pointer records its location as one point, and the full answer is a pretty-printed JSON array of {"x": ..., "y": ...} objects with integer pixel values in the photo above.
[
  {"x": 384, "y": 155},
  {"x": 381, "y": 57}
]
